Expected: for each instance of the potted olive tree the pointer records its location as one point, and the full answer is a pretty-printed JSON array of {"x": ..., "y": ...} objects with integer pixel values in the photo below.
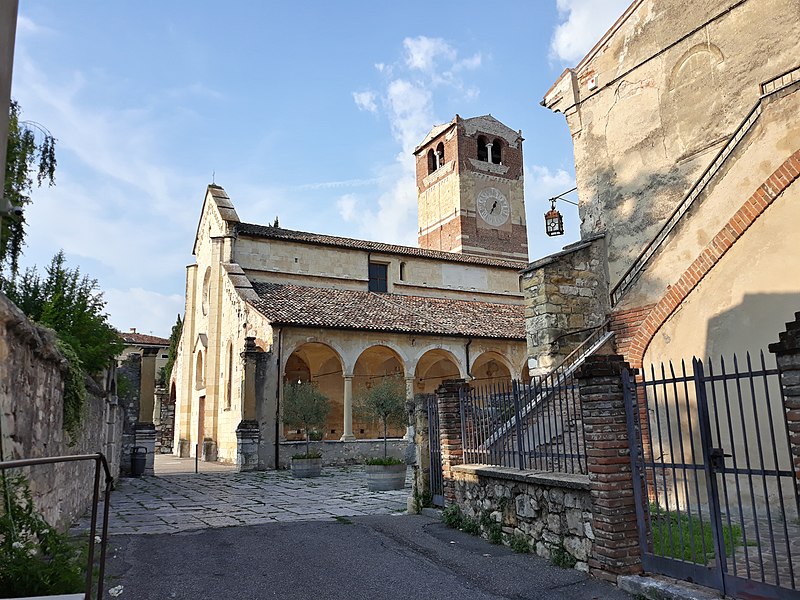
[
  {"x": 306, "y": 408},
  {"x": 384, "y": 402}
]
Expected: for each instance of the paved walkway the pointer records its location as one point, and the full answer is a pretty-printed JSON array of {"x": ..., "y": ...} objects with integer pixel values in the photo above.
[{"x": 181, "y": 501}]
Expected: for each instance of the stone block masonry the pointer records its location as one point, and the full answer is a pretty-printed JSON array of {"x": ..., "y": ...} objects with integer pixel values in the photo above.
[
  {"x": 566, "y": 294},
  {"x": 31, "y": 418},
  {"x": 552, "y": 510}
]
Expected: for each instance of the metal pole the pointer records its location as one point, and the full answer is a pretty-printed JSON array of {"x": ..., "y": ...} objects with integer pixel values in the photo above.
[
  {"x": 196, "y": 457},
  {"x": 8, "y": 32}
]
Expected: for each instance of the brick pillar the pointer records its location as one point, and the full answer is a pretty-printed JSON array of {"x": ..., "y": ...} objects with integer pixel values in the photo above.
[
  {"x": 787, "y": 353},
  {"x": 616, "y": 546},
  {"x": 450, "y": 433}
]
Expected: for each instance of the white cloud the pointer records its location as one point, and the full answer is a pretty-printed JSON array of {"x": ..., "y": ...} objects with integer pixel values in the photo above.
[
  {"x": 26, "y": 25},
  {"x": 347, "y": 206},
  {"x": 366, "y": 101},
  {"x": 429, "y": 66},
  {"x": 583, "y": 22},
  {"x": 422, "y": 53},
  {"x": 149, "y": 312}
]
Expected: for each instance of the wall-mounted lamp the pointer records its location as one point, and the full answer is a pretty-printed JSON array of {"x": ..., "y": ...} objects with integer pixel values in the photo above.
[{"x": 553, "y": 220}]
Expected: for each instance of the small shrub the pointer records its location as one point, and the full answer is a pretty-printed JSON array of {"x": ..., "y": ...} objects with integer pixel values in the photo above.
[
  {"x": 470, "y": 526},
  {"x": 304, "y": 455},
  {"x": 452, "y": 516},
  {"x": 422, "y": 501},
  {"x": 315, "y": 435},
  {"x": 493, "y": 529},
  {"x": 561, "y": 558},
  {"x": 36, "y": 559},
  {"x": 519, "y": 543},
  {"x": 386, "y": 462}
]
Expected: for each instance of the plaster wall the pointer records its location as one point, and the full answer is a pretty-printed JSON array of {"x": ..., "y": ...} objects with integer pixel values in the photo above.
[
  {"x": 673, "y": 82},
  {"x": 774, "y": 137},
  {"x": 324, "y": 266}
]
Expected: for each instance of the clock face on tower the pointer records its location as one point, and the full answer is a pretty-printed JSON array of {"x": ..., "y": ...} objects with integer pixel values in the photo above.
[{"x": 493, "y": 206}]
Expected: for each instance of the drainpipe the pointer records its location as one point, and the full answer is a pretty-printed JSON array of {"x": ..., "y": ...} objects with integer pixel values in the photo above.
[
  {"x": 278, "y": 403},
  {"x": 466, "y": 351}
]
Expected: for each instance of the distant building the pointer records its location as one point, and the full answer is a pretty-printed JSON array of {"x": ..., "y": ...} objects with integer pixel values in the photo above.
[
  {"x": 343, "y": 312},
  {"x": 136, "y": 343}
]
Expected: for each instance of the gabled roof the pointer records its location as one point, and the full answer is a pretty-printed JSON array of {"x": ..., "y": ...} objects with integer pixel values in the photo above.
[
  {"x": 288, "y": 304},
  {"x": 277, "y": 233},
  {"x": 223, "y": 205},
  {"x": 140, "y": 339}
]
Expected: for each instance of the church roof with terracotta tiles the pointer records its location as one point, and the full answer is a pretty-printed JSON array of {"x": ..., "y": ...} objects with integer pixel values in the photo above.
[
  {"x": 289, "y": 304},
  {"x": 132, "y": 338},
  {"x": 278, "y": 233}
]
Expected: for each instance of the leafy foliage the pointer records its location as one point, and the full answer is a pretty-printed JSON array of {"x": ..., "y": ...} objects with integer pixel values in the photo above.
[
  {"x": 519, "y": 543},
  {"x": 36, "y": 559},
  {"x": 172, "y": 352},
  {"x": 452, "y": 516},
  {"x": 72, "y": 305},
  {"x": 75, "y": 395},
  {"x": 384, "y": 402},
  {"x": 384, "y": 461},
  {"x": 27, "y": 160},
  {"x": 305, "y": 407}
]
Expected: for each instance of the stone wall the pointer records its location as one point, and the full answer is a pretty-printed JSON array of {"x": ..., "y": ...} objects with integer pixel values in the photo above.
[
  {"x": 31, "y": 417},
  {"x": 335, "y": 453},
  {"x": 553, "y": 510},
  {"x": 165, "y": 425},
  {"x": 565, "y": 295},
  {"x": 128, "y": 386}
]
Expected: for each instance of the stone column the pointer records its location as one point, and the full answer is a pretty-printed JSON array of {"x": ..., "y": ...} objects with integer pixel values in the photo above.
[
  {"x": 616, "y": 546},
  {"x": 409, "y": 436},
  {"x": 787, "y": 354},
  {"x": 348, "y": 436},
  {"x": 145, "y": 429},
  {"x": 488, "y": 152},
  {"x": 450, "y": 433},
  {"x": 247, "y": 432},
  {"x": 422, "y": 458}
]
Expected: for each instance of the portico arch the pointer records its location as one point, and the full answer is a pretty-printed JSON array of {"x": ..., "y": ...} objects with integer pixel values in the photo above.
[
  {"x": 433, "y": 367},
  {"x": 490, "y": 368},
  {"x": 372, "y": 365},
  {"x": 318, "y": 363}
]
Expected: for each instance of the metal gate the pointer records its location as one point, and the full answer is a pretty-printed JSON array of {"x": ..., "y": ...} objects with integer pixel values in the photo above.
[
  {"x": 716, "y": 495},
  {"x": 435, "y": 449}
]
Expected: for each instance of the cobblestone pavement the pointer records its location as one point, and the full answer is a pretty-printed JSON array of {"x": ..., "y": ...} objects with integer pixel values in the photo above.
[{"x": 183, "y": 501}]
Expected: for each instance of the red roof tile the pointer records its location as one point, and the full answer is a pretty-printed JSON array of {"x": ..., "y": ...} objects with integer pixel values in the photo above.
[
  {"x": 288, "y": 304},
  {"x": 277, "y": 233},
  {"x": 142, "y": 339}
]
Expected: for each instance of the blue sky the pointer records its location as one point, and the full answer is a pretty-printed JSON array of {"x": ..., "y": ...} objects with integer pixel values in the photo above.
[{"x": 304, "y": 110}]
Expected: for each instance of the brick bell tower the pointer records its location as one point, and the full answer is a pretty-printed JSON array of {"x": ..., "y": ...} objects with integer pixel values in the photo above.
[{"x": 470, "y": 189}]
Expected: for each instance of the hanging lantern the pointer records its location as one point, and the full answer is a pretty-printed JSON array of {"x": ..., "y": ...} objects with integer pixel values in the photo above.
[{"x": 553, "y": 221}]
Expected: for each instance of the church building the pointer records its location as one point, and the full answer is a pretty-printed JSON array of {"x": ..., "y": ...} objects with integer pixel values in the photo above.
[{"x": 266, "y": 306}]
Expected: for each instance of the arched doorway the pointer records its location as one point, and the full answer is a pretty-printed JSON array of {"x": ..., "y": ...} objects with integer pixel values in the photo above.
[
  {"x": 374, "y": 364},
  {"x": 318, "y": 363}
]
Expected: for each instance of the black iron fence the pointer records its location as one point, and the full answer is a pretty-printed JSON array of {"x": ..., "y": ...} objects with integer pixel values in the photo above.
[
  {"x": 94, "y": 568},
  {"x": 717, "y": 500},
  {"x": 534, "y": 425}
]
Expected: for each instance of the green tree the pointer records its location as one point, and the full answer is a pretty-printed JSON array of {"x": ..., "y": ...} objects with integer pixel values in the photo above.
[
  {"x": 72, "y": 305},
  {"x": 172, "y": 352},
  {"x": 305, "y": 407},
  {"x": 28, "y": 160},
  {"x": 384, "y": 402}
]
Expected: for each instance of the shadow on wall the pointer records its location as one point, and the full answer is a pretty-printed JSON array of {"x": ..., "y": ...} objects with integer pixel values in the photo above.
[{"x": 751, "y": 325}]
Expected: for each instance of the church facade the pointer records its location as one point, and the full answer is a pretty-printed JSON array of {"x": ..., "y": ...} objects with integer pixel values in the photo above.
[{"x": 266, "y": 306}]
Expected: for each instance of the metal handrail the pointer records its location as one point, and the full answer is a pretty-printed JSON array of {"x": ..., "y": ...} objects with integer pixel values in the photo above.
[
  {"x": 579, "y": 352},
  {"x": 100, "y": 461},
  {"x": 638, "y": 265}
]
